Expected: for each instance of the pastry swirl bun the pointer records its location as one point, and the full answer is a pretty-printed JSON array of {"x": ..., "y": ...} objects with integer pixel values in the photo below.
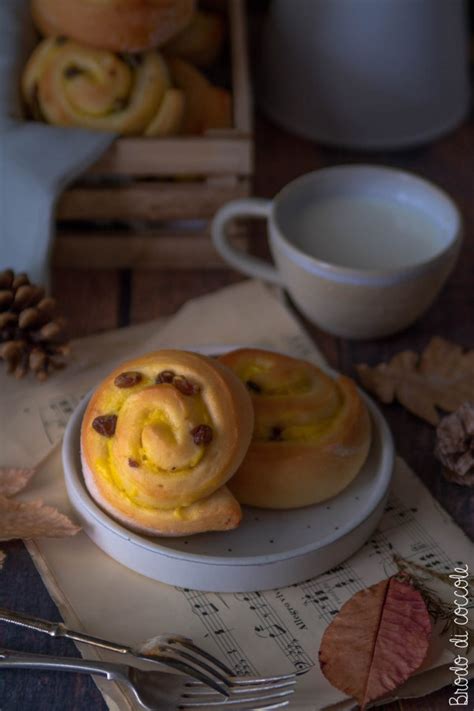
[
  {"x": 312, "y": 433},
  {"x": 160, "y": 438},
  {"x": 70, "y": 84},
  {"x": 117, "y": 25}
]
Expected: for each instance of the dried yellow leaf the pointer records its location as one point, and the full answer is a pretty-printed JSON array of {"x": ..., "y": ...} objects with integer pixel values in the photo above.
[
  {"x": 13, "y": 480},
  {"x": 442, "y": 377},
  {"x": 32, "y": 520}
]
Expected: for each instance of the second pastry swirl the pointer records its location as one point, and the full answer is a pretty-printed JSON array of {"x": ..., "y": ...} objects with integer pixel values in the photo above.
[{"x": 312, "y": 432}]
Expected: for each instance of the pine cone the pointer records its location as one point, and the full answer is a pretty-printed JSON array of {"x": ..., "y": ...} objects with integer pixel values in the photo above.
[
  {"x": 31, "y": 337},
  {"x": 455, "y": 445}
]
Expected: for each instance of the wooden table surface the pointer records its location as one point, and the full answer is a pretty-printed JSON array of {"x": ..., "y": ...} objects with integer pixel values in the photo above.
[{"x": 101, "y": 300}]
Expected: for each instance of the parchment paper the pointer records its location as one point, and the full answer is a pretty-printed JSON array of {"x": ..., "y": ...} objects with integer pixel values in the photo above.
[{"x": 255, "y": 633}]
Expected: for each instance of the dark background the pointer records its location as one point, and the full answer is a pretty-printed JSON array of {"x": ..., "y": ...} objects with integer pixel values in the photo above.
[{"x": 126, "y": 297}]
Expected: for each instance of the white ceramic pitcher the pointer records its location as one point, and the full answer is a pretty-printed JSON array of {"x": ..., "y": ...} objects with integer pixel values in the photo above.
[{"x": 366, "y": 73}]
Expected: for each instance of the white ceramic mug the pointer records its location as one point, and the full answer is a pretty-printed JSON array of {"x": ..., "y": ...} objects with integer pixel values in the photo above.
[{"x": 347, "y": 301}]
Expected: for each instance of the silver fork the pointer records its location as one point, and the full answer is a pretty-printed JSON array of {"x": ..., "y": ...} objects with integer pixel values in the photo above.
[
  {"x": 175, "y": 651},
  {"x": 161, "y": 691}
]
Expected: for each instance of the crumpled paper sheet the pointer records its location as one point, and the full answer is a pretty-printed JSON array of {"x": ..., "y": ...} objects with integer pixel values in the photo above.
[{"x": 80, "y": 577}]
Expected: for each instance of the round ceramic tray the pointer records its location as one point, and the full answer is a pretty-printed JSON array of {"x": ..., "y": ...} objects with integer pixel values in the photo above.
[{"x": 270, "y": 549}]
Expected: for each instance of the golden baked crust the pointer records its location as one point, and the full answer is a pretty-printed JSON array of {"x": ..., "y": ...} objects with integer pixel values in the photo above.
[
  {"x": 312, "y": 433},
  {"x": 201, "y": 41},
  {"x": 207, "y": 106},
  {"x": 70, "y": 84},
  {"x": 160, "y": 438},
  {"x": 117, "y": 25}
]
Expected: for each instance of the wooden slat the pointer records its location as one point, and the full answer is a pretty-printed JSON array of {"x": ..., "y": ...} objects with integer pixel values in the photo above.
[
  {"x": 149, "y": 201},
  {"x": 241, "y": 86},
  {"x": 199, "y": 156},
  {"x": 116, "y": 250},
  {"x": 89, "y": 300}
]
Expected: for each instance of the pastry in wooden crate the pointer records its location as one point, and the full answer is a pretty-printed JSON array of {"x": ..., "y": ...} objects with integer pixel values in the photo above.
[
  {"x": 71, "y": 84},
  {"x": 117, "y": 25},
  {"x": 312, "y": 432},
  {"x": 161, "y": 437},
  {"x": 148, "y": 201}
]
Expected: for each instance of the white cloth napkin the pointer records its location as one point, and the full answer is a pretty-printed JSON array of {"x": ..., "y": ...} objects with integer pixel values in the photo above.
[{"x": 36, "y": 161}]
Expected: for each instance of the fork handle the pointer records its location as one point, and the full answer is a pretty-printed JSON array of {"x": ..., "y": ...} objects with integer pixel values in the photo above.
[
  {"x": 10, "y": 659},
  {"x": 31, "y": 623},
  {"x": 58, "y": 629}
]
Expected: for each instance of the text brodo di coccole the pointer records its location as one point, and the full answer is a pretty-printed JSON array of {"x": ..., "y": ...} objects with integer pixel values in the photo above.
[{"x": 460, "y": 639}]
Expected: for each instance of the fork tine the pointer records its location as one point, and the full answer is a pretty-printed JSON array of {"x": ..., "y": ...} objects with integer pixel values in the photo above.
[
  {"x": 288, "y": 685},
  {"x": 246, "y": 707},
  {"x": 269, "y": 702},
  {"x": 237, "y": 703},
  {"x": 189, "y": 644},
  {"x": 192, "y": 672},
  {"x": 175, "y": 643},
  {"x": 255, "y": 680},
  {"x": 178, "y": 653},
  {"x": 197, "y": 689}
]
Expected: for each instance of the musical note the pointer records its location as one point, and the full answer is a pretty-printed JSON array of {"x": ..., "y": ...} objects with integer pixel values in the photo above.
[
  {"x": 329, "y": 591},
  {"x": 409, "y": 538},
  {"x": 301, "y": 666},
  {"x": 270, "y": 626},
  {"x": 205, "y": 609},
  {"x": 211, "y": 616},
  {"x": 271, "y": 631},
  {"x": 243, "y": 668},
  {"x": 55, "y": 415}
]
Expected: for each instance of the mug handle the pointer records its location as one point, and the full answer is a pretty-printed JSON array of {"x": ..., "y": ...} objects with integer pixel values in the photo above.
[{"x": 252, "y": 266}]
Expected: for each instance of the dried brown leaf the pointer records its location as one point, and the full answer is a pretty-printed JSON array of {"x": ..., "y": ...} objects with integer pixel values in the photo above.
[
  {"x": 441, "y": 377},
  {"x": 2, "y": 559},
  {"x": 32, "y": 520},
  {"x": 377, "y": 641},
  {"x": 13, "y": 480}
]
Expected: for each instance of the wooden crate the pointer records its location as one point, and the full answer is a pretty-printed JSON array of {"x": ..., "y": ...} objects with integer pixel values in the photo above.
[{"x": 147, "y": 203}]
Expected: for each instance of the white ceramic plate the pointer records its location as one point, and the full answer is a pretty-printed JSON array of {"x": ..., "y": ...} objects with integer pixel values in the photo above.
[{"x": 270, "y": 549}]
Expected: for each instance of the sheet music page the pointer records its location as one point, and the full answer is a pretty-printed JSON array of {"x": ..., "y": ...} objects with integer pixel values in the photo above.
[{"x": 255, "y": 633}]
